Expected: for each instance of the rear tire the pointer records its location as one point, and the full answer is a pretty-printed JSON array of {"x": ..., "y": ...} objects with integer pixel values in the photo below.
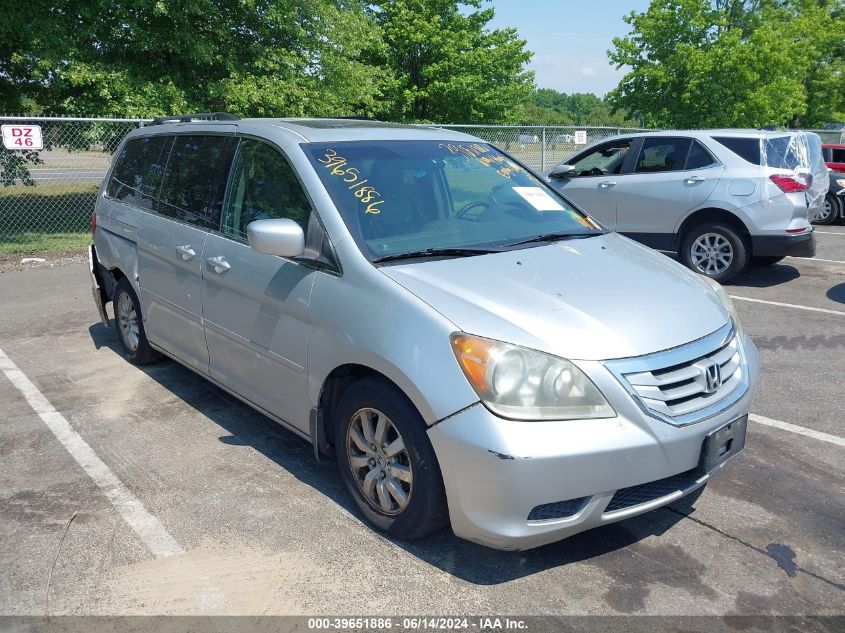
[
  {"x": 387, "y": 462},
  {"x": 130, "y": 325},
  {"x": 715, "y": 250},
  {"x": 767, "y": 260},
  {"x": 831, "y": 211}
]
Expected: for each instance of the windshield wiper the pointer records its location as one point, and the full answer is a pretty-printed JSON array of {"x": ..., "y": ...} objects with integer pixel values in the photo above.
[
  {"x": 436, "y": 252},
  {"x": 554, "y": 237}
]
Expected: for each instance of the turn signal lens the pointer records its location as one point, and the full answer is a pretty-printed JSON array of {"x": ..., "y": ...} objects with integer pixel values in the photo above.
[{"x": 524, "y": 384}]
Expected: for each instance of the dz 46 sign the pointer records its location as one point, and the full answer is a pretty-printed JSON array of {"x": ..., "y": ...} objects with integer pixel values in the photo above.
[{"x": 22, "y": 137}]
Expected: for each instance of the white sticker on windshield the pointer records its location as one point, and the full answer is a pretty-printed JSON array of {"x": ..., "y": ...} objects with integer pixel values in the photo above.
[{"x": 539, "y": 198}]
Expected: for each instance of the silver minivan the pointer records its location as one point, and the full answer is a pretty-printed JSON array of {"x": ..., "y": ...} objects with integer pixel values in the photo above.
[{"x": 470, "y": 347}]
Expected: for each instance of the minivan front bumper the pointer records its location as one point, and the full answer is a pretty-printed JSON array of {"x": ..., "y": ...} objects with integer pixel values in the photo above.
[{"x": 504, "y": 478}]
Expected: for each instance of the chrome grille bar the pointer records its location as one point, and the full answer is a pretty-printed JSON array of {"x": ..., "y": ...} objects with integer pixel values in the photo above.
[{"x": 672, "y": 385}]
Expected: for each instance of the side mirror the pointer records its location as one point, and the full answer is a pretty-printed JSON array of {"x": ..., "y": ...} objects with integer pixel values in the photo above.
[
  {"x": 284, "y": 237},
  {"x": 562, "y": 171}
]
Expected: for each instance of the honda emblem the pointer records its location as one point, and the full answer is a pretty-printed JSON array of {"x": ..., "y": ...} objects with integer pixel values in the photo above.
[{"x": 712, "y": 378}]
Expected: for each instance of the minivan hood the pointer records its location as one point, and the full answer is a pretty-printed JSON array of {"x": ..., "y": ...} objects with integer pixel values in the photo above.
[{"x": 586, "y": 299}]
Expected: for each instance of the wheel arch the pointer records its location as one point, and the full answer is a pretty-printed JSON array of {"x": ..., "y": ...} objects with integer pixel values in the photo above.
[
  {"x": 711, "y": 214},
  {"x": 334, "y": 386}
]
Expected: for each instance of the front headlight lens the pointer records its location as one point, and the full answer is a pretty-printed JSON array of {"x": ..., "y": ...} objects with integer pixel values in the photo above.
[
  {"x": 524, "y": 384},
  {"x": 723, "y": 298},
  {"x": 840, "y": 182}
]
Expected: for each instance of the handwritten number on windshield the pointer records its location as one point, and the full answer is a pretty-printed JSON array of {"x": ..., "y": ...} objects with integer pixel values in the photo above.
[{"x": 364, "y": 192}]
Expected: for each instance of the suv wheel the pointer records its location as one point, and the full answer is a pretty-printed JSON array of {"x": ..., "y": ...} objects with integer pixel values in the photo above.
[
  {"x": 130, "y": 327},
  {"x": 830, "y": 210},
  {"x": 387, "y": 462},
  {"x": 716, "y": 250}
]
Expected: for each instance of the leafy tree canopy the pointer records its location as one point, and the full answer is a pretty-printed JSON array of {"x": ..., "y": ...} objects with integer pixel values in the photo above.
[
  {"x": 401, "y": 59},
  {"x": 734, "y": 63},
  {"x": 447, "y": 65}
]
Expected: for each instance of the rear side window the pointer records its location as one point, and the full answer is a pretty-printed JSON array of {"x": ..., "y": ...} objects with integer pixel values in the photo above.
[
  {"x": 746, "y": 148},
  {"x": 138, "y": 170},
  {"x": 195, "y": 179},
  {"x": 661, "y": 154},
  {"x": 837, "y": 155}
]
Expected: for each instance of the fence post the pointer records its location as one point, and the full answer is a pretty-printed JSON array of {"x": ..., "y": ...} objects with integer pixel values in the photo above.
[{"x": 543, "y": 151}]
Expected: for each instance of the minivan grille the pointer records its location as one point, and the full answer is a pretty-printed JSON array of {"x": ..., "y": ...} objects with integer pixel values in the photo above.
[{"x": 674, "y": 384}]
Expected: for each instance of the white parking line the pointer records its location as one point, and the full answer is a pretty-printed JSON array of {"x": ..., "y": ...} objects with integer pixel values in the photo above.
[
  {"x": 158, "y": 540},
  {"x": 816, "y": 259},
  {"x": 800, "y": 430},
  {"x": 788, "y": 305},
  {"x": 829, "y": 232}
]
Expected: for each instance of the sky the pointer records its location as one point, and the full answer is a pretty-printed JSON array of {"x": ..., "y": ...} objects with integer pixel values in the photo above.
[{"x": 569, "y": 39}]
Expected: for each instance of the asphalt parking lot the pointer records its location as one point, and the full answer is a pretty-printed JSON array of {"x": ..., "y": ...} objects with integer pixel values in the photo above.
[{"x": 199, "y": 505}]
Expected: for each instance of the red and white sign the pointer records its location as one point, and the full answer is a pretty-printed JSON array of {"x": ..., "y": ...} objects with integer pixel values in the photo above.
[
  {"x": 22, "y": 137},
  {"x": 580, "y": 137}
]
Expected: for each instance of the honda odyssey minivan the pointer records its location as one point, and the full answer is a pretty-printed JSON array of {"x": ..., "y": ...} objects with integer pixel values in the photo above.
[{"x": 470, "y": 347}]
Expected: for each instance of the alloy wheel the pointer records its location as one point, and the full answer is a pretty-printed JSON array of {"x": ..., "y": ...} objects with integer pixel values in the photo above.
[
  {"x": 380, "y": 463},
  {"x": 711, "y": 253},
  {"x": 127, "y": 320}
]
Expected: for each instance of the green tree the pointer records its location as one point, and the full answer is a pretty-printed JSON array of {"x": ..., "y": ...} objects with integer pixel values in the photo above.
[
  {"x": 148, "y": 57},
  {"x": 551, "y": 107},
  {"x": 447, "y": 65},
  {"x": 709, "y": 63}
]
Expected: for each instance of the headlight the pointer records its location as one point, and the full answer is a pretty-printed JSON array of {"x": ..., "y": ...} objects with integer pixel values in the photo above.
[
  {"x": 723, "y": 298},
  {"x": 840, "y": 182},
  {"x": 524, "y": 384}
]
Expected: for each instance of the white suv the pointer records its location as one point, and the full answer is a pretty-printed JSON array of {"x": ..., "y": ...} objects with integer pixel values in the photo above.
[{"x": 718, "y": 198}]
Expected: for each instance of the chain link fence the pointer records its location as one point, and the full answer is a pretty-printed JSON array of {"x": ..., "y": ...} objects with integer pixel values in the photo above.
[{"x": 47, "y": 196}]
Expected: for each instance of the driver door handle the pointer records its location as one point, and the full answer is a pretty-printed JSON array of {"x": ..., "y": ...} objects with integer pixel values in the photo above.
[
  {"x": 607, "y": 184},
  {"x": 219, "y": 264},
  {"x": 694, "y": 179}
]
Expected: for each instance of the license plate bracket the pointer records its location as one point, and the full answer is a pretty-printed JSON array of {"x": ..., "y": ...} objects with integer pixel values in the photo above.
[{"x": 722, "y": 444}]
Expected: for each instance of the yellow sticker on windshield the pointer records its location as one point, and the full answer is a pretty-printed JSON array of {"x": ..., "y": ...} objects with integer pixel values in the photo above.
[{"x": 364, "y": 192}]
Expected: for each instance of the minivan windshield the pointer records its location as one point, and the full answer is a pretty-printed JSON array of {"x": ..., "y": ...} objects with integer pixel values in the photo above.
[{"x": 401, "y": 198}]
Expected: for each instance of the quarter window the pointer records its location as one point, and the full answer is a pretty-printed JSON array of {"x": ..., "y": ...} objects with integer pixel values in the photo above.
[
  {"x": 661, "y": 154},
  {"x": 264, "y": 186},
  {"x": 699, "y": 157},
  {"x": 195, "y": 179},
  {"x": 138, "y": 170}
]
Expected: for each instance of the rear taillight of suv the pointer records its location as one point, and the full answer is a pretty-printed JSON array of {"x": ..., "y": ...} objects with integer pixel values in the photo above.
[{"x": 792, "y": 183}]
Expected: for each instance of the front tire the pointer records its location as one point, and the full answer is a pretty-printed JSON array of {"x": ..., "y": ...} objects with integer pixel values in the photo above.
[
  {"x": 387, "y": 462},
  {"x": 716, "y": 250},
  {"x": 130, "y": 326}
]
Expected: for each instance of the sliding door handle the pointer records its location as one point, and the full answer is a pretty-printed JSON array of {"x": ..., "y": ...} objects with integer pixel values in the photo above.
[{"x": 186, "y": 252}]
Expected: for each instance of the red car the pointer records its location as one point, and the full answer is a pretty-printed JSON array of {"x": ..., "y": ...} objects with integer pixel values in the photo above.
[{"x": 834, "y": 156}]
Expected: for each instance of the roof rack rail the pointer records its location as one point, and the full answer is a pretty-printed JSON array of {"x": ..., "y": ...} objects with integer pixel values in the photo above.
[
  {"x": 198, "y": 116},
  {"x": 356, "y": 118}
]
